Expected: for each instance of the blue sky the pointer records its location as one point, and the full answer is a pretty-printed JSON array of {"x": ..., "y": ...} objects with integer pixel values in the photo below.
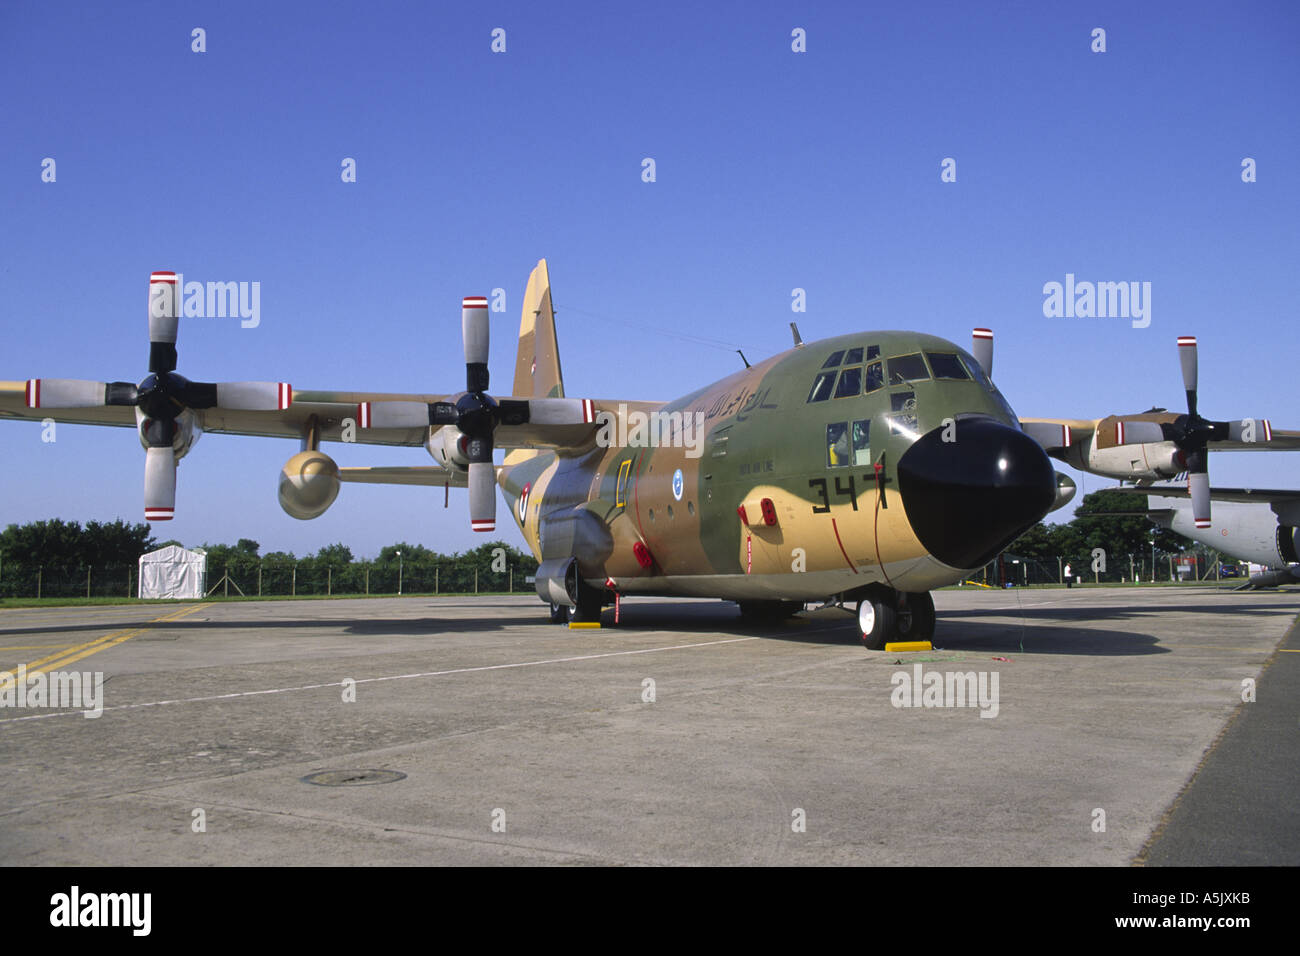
[{"x": 775, "y": 170}]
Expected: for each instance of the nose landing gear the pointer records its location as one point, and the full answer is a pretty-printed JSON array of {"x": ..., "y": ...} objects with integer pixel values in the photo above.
[{"x": 889, "y": 616}]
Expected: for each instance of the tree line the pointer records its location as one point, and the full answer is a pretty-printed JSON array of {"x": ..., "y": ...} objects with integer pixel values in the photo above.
[{"x": 59, "y": 557}]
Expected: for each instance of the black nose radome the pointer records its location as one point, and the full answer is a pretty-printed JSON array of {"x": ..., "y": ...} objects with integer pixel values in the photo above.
[{"x": 968, "y": 498}]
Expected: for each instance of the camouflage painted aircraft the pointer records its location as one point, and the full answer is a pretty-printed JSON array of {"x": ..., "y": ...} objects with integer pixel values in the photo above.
[{"x": 869, "y": 468}]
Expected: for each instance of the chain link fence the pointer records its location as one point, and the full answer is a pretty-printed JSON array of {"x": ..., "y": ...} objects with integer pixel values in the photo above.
[
  {"x": 274, "y": 579},
  {"x": 1162, "y": 567}
]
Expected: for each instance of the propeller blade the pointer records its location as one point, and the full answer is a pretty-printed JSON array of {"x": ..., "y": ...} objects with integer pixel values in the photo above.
[
  {"x": 1137, "y": 433},
  {"x": 77, "y": 393},
  {"x": 159, "y": 483},
  {"x": 1049, "y": 434},
  {"x": 394, "y": 415},
  {"x": 1187, "y": 358},
  {"x": 1258, "y": 429},
  {"x": 252, "y": 396},
  {"x": 474, "y": 330},
  {"x": 981, "y": 346},
  {"x": 554, "y": 411},
  {"x": 482, "y": 495},
  {"x": 1198, "y": 483},
  {"x": 164, "y": 301}
]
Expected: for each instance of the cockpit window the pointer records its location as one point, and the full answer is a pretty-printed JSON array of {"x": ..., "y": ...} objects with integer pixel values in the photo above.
[
  {"x": 850, "y": 383},
  {"x": 902, "y": 418},
  {"x": 862, "y": 442},
  {"x": 875, "y": 377},
  {"x": 837, "y": 444},
  {"x": 907, "y": 368},
  {"x": 873, "y": 351},
  {"x": 834, "y": 360},
  {"x": 946, "y": 366},
  {"x": 976, "y": 372},
  {"x": 854, "y": 357},
  {"x": 821, "y": 389}
]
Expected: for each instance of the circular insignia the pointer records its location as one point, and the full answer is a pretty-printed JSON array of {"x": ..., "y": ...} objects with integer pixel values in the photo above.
[{"x": 678, "y": 484}]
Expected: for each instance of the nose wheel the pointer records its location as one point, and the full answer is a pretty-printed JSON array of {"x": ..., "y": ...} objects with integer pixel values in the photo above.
[{"x": 896, "y": 616}]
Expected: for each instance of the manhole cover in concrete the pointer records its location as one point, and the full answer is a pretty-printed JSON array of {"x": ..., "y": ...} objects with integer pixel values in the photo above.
[{"x": 352, "y": 778}]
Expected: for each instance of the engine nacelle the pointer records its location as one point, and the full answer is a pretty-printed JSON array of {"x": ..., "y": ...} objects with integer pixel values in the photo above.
[
  {"x": 1154, "y": 460},
  {"x": 309, "y": 483},
  {"x": 448, "y": 446},
  {"x": 188, "y": 431}
]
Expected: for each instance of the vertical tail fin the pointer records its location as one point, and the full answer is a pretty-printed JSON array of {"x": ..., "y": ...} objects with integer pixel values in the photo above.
[{"x": 537, "y": 364}]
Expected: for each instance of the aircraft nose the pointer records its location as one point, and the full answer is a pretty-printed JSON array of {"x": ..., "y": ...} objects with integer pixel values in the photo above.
[{"x": 968, "y": 498}]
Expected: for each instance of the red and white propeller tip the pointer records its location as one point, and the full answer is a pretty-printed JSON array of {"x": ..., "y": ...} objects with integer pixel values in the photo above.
[{"x": 982, "y": 349}]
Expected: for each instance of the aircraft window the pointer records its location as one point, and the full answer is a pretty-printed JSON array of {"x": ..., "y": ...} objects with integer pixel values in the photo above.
[
  {"x": 850, "y": 383},
  {"x": 862, "y": 442},
  {"x": 834, "y": 360},
  {"x": 945, "y": 365},
  {"x": 873, "y": 351},
  {"x": 821, "y": 389},
  {"x": 907, "y": 368},
  {"x": 976, "y": 372},
  {"x": 875, "y": 377},
  {"x": 837, "y": 444},
  {"x": 903, "y": 407},
  {"x": 854, "y": 357}
]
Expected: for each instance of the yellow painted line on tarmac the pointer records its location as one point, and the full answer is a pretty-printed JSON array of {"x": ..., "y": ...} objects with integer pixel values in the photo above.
[
  {"x": 76, "y": 652},
  {"x": 35, "y": 647}
]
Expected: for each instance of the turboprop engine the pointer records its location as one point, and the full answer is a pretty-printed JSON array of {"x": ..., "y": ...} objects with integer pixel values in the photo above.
[{"x": 309, "y": 483}]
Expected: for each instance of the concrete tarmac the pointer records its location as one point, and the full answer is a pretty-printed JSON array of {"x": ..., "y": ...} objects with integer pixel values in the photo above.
[{"x": 681, "y": 736}]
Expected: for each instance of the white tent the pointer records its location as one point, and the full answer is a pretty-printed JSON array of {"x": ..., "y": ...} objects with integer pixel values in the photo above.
[{"x": 173, "y": 572}]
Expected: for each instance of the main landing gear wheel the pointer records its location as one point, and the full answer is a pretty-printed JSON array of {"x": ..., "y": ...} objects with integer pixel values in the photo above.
[
  {"x": 876, "y": 621},
  {"x": 915, "y": 618},
  {"x": 559, "y": 613}
]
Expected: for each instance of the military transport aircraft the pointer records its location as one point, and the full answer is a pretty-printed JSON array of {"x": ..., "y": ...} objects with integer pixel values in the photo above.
[
  {"x": 870, "y": 467},
  {"x": 1259, "y": 525}
]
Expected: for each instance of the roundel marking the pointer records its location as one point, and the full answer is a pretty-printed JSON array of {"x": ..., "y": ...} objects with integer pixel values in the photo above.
[{"x": 678, "y": 484}]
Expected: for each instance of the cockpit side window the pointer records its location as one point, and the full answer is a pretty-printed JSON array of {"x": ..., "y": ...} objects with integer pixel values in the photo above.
[
  {"x": 821, "y": 389},
  {"x": 837, "y": 444},
  {"x": 854, "y": 357},
  {"x": 976, "y": 372}
]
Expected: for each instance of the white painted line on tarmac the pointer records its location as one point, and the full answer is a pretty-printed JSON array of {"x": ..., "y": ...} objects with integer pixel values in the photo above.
[{"x": 376, "y": 680}]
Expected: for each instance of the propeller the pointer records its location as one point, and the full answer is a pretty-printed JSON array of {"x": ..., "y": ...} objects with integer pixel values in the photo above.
[
  {"x": 161, "y": 398},
  {"x": 981, "y": 347},
  {"x": 1192, "y": 433},
  {"x": 476, "y": 414}
]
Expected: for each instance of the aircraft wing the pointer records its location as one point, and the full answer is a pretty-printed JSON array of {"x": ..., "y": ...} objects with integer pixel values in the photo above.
[
  {"x": 1258, "y": 495},
  {"x": 328, "y": 408},
  {"x": 398, "y": 419},
  {"x": 1279, "y": 440},
  {"x": 434, "y": 475}
]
